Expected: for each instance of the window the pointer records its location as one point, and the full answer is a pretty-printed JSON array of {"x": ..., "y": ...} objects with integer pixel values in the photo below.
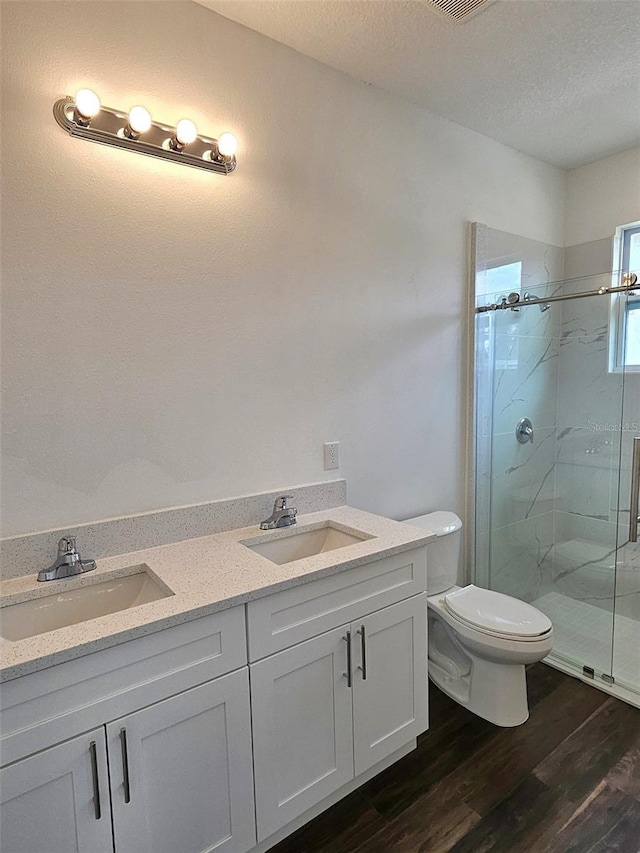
[
  {"x": 503, "y": 280},
  {"x": 625, "y": 313},
  {"x": 632, "y": 337},
  {"x": 507, "y": 277}
]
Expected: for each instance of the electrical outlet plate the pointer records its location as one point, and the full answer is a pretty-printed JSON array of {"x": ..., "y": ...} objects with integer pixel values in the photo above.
[{"x": 331, "y": 455}]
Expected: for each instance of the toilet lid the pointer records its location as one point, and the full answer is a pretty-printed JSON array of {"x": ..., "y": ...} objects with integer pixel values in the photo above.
[{"x": 497, "y": 613}]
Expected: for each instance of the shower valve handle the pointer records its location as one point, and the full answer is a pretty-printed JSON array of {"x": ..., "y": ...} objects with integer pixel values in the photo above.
[{"x": 524, "y": 431}]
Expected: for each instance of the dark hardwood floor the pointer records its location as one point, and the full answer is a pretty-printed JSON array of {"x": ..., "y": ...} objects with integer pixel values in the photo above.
[{"x": 567, "y": 781}]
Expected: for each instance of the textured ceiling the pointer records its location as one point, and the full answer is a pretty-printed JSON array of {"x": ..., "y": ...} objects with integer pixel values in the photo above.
[{"x": 557, "y": 79}]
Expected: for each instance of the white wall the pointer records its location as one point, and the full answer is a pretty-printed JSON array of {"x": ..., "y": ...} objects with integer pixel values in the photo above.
[
  {"x": 172, "y": 336},
  {"x": 601, "y": 196}
]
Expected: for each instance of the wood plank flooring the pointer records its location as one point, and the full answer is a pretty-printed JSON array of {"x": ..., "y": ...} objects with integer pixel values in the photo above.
[{"x": 567, "y": 781}]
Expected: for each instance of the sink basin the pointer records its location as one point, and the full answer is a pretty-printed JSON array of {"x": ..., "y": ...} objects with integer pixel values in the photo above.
[
  {"x": 62, "y": 608},
  {"x": 306, "y": 543}
]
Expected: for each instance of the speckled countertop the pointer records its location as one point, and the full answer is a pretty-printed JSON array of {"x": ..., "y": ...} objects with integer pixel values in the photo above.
[{"x": 207, "y": 574}]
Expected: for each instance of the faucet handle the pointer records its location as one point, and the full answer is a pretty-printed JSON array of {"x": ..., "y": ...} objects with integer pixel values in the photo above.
[
  {"x": 281, "y": 502},
  {"x": 67, "y": 545},
  {"x": 67, "y": 551}
]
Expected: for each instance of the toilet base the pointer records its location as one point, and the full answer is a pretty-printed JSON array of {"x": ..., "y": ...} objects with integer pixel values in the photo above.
[
  {"x": 484, "y": 672},
  {"x": 497, "y": 692}
]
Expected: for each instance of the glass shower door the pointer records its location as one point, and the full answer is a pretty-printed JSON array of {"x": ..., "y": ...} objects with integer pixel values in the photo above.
[
  {"x": 557, "y": 407},
  {"x": 626, "y": 636},
  {"x": 546, "y": 503},
  {"x": 590, "y": 394},
  {"x": 559, "y": 490}
]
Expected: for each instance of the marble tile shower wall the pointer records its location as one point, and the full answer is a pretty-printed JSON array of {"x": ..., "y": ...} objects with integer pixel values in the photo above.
[{"x": 526, "y": 346}]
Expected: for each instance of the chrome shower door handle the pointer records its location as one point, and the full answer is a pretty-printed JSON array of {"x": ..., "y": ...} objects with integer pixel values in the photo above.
[{"x": 634, "y": 519}]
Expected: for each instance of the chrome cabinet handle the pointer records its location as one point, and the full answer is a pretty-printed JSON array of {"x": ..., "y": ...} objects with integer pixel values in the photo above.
[
  {"x": 634, "y": 519},
  {"x": 125, "y": 766},
  {"x": 96, "y": 781},
  {"x": 363, "y": 650},
  {"x": 347, "y": 674}
]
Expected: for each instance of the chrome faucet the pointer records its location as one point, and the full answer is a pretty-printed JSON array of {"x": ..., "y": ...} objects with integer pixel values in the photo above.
[
  {"x": 68, "y": 562},
  {"x": 282, "y": 515}
]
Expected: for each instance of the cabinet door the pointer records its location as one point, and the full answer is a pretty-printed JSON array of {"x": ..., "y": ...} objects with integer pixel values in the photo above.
[
  {"x": 390, "y": 704},
  {"x": 58, "y": 800},
  {"x": 302, "y": 728},
  {"x": 181, "y": 775}
]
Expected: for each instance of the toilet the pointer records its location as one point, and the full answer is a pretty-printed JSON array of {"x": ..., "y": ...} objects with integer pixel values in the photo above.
[{"x": 479, "y": 640}]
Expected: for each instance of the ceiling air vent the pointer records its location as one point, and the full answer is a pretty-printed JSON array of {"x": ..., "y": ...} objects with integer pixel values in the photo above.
[{"x": 458, "y": 10}]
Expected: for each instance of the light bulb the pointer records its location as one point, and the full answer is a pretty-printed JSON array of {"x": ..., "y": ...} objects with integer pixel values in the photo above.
[
  {"x": 139, "y": 119},
  {"x": 186, "y": 131},
  {"x": 227, "y": 144},
  {"x": 87, "y": 103}
]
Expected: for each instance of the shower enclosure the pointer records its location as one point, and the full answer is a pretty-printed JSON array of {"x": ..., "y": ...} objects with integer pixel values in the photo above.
[{"x": 556, "y": 420}]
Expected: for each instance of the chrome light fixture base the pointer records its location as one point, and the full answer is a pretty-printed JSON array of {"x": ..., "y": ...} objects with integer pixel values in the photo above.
[{"x": 109, "y": 127}]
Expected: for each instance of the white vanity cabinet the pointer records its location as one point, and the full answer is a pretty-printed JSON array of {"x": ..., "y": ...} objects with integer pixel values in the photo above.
[
  {"x": 181, "y": 772},
  {"x": 302, "y": 729},
  {"x": 330, "y": 708},
  {"x": 315, "y": 727},
  {"x": 58, "y": 800},
  {"x": 169, "y": 775},
  {"x": 390, "y": 706},
  {"x": 157, "y": 744},
  {"x": 180, "y": 779}
]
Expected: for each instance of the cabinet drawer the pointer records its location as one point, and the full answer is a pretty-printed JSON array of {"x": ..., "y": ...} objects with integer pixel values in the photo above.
[
  {"x": 46, "y": 707},
  {"x": 293, "y": 615}
]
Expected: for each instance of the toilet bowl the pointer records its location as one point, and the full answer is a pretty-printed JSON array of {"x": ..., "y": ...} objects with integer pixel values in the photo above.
[{"x": 479, "y": 640}]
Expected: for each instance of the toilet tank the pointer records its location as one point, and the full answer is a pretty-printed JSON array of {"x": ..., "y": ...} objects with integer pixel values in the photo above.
[{"x": 443, "y": 554}]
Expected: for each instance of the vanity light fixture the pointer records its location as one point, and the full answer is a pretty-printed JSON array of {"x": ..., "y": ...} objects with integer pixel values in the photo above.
[{"x": 85, "y": 117}]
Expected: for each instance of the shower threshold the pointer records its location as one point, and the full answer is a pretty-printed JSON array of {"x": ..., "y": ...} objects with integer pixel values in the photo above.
[{"x": 582, "y": 637}]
